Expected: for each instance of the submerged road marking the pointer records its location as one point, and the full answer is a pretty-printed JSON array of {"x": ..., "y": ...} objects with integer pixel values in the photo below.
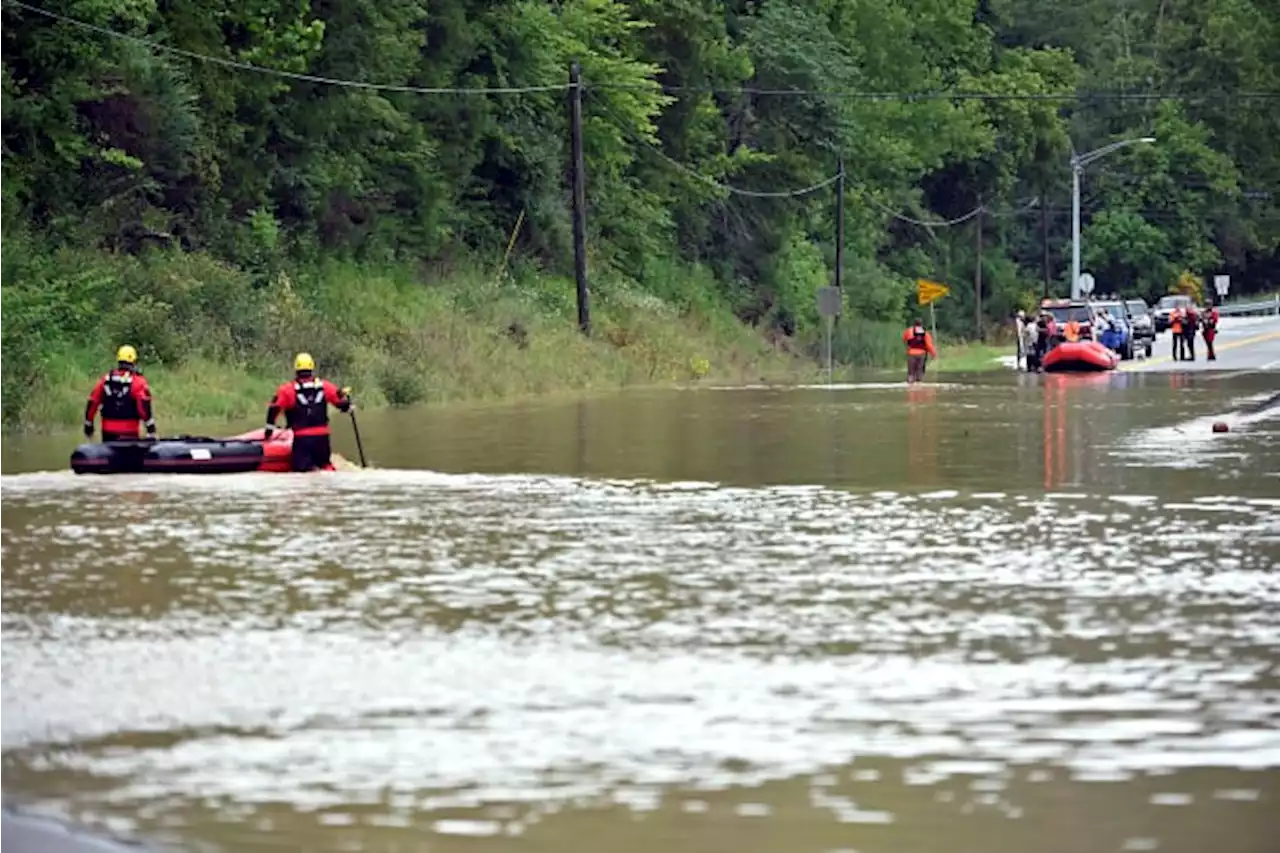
[{"x": 1161, "y": 359}]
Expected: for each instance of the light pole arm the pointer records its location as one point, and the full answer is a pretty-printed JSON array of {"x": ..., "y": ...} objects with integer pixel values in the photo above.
[
  {"x": 1082, "y": 160},
  {"x": 1078, "y": 162}
]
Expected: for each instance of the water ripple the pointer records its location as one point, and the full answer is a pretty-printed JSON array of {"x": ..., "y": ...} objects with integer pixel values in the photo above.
[{"x": 536, "y": 638}]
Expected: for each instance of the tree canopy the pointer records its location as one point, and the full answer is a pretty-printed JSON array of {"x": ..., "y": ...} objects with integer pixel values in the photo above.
[{"x": 258, "y": 130}]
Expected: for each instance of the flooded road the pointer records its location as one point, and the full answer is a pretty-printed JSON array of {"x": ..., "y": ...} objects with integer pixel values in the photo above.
[{"x": 1001, "y": 613}]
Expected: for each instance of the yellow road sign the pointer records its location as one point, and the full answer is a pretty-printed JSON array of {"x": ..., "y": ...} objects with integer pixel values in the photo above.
[{"x": 930, "y": 291}]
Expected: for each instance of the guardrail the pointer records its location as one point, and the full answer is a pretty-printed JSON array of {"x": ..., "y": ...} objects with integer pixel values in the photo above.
[{"x": 1242, "y": 309}]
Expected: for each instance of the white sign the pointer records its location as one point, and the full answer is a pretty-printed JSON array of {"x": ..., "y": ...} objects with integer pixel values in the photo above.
[
  {"x": 1222, "y": 283},
  {"x": 1086, "y": 282},
  {"x": 829, "y": 302}
]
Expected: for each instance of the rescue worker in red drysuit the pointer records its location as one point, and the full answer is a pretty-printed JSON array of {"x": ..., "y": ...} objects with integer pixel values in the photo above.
[
  {"x": 305, "y": 403},
  {"x": 919, "y": 348},
  {"x": 124, "y": 399},
  {"x": 1210, "y": 331}
]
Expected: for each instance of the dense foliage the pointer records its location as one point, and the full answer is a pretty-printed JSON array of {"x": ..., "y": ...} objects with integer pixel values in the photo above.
[{"x": 109, "y": 141}]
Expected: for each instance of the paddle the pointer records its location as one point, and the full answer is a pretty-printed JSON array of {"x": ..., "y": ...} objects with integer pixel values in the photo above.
[{"x": 355, "y": 426}]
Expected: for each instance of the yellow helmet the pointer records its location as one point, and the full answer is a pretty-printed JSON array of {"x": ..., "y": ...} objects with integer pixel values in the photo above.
[
  {"x": 304, "y": 361},
  {"x": 127, "y": 354}
]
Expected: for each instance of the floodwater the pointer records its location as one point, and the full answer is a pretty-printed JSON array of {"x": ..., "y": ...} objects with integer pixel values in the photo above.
[{"x": 996, "y": 614}]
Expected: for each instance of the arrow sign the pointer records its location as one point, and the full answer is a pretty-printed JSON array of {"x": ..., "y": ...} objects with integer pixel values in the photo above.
[{"x": 930, "y": 291}]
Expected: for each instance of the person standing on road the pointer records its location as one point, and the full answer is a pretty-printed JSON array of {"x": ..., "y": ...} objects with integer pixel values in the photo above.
[
  {"x": 1051, "y": 333},
  {"x": 1046, "y": 330},
  {"x": 1031, "y": 346},
  {"x": 1190, "y": 322},
  {"x": 1020, "y": 335},
  {"x": 919, "y": 348},
  {"x": 1175, "y": 332},
  {"x": 1210, "y": 330}
]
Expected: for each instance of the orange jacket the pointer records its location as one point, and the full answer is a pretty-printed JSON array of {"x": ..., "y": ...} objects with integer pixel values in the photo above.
[
  {"x": 1071, "y": 332},
  {"x": 1175, "y": 321},
  {"x": 918, "y": 341}
]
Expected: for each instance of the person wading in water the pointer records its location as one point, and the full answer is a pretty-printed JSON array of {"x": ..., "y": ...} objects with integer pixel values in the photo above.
[{"x": 919, "y": 348}]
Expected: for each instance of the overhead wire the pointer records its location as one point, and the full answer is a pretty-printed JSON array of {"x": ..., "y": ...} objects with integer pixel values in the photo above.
[
  {"x": 654, "y": 86},
  {"x": 290, "y": 75},
  {"x": 948, "y": 95},
  {"x": 707, "y": 179},
  {"x": 958, "y": 220},
  {"x": 688, "y": 170}
]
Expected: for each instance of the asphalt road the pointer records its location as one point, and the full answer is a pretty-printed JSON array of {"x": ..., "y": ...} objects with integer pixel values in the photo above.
[{"x": 1243, "y": 344}]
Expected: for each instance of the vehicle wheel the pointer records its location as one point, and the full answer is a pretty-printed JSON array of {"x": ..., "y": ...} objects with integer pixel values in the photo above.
[{"x": 1149, "y": 350}]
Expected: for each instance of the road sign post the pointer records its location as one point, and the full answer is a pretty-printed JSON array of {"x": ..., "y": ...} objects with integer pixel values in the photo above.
[
  {"x": 829, "y": 306},
  {"x": 1221, "y": 284},
  {"x": 927, "y": 293}
]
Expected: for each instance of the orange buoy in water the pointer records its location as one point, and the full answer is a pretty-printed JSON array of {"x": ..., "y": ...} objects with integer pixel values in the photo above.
[{"x": 1220, "y": 426}]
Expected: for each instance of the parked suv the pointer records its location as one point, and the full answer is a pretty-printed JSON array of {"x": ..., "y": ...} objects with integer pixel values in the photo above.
[
  {"x": 1165, "y": 307},
  {"x": 1143, "y": 325}
]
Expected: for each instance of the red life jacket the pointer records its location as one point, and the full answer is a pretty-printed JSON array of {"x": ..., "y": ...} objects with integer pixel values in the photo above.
[
  {"x": 311, "y": 409},
  {"x": 917, "y": 339},
  {"x": 1211, "y": 320},
  {"x": 118, "y": 401}
]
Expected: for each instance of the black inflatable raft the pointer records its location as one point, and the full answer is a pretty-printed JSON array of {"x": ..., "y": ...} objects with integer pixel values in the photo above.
[{"x": 181, "y": 455}]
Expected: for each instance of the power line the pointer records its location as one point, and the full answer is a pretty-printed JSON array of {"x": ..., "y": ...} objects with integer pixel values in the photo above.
[
  {"x": 936, "y": 223},
  {"x": 899, "y": 97},
  {"x": 707, "y": 179},
  {"x": 948, "y": 223},
  {"x": 290, "y": 75},
  {"x": 732, "y": 190},
  {"x": 1064, "y": 97}
]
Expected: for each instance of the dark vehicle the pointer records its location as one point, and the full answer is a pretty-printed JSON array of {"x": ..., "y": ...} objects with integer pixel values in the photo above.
[
  {"x": 1064, "y": 310},
  {"x": 1165, "y": 307},
  {"x": 1143, "y": 324}
]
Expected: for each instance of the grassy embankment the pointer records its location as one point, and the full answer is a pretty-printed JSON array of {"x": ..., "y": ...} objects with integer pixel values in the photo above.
[{"x": 214, "y": 341}]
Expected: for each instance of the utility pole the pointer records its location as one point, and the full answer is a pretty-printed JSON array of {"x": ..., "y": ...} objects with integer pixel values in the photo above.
[
  {"x": 977, "y": 274},
  {"x": 579, "y": 198},
  {"x": 1076, "y": 169},
  {"x": 1044, "y": 236},
  {"x": 840, "y": 232}
]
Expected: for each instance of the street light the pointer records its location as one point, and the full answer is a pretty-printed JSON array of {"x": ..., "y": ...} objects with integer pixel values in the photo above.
[{"x": 1078, "y": 162}]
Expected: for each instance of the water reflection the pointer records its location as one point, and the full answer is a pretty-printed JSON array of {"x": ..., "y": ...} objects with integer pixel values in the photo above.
[{"x": 922, "y": 432}]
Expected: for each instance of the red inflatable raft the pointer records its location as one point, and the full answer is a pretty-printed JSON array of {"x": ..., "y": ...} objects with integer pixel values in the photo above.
[
  {"x": 188, "y": 454},
  {"x": 1079, "y": 357}
]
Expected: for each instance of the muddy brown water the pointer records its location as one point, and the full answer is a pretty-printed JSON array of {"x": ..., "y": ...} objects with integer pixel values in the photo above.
[{"x": 995, "y": 614}]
